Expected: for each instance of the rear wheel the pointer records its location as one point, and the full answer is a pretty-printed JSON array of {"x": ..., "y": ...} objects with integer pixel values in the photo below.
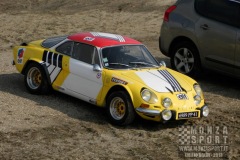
[
  {"x": 35, "y": 79},
  {"x": 185, "y": 59},
  {"x": 120, "y": 109}
]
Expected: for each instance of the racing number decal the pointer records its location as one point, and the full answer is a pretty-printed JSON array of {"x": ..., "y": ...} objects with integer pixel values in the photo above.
[{"x": 54, "y": 64}]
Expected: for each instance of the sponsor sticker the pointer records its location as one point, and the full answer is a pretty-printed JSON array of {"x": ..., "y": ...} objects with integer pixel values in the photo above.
[
  {"x": 20, "y": 55},
  {"x": 99, "y": 75},
  {"x": 116, "y": 80},
  {"x": 105, "y": 60},
  {"x": 88, "y": 39},
  {"x": 182, "y": 96}
]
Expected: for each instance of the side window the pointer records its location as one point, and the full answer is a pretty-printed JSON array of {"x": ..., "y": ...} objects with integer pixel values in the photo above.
[
  {"x": 50, "y": 42},
  {"x": 65, "y": 48},
  {"x": 85, "y": 53},
  {"x": 225, "y": 11}
]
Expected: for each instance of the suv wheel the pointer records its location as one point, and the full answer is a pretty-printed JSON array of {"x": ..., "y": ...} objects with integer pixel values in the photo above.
[{"x": 185, "y": 58}]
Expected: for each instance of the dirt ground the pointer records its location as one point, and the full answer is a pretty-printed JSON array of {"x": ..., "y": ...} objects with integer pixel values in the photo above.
[{"x": 57, "y": 126}]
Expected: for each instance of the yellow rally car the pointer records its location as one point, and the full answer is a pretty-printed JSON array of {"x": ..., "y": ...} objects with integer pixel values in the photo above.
[{"x": 111, "y": 71}]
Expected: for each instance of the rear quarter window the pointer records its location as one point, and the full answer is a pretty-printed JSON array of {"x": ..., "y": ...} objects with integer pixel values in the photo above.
[
  {"x": 225, "y": 11},
  {"x": 50, "y": 42}
]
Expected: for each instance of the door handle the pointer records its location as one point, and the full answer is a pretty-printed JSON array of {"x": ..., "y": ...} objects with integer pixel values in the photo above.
[{"x": 204, "y": 27}]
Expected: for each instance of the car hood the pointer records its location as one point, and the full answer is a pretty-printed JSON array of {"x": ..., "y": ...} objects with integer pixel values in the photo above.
[{"x": 162, "y": 80}]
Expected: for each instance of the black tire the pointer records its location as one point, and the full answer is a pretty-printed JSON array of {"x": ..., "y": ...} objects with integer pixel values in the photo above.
[
  {"x": 120, "y": 109},
  {"x": 35, "y": 79},
  {"x": 185, "y": 59}
]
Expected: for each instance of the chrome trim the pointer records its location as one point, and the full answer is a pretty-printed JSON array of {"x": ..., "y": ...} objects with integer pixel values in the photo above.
[{"x": 149, "y": 112}]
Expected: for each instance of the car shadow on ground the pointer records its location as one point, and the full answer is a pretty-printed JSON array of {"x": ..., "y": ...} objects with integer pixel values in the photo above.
[
  {"x": 78, "y": 109},
  {"x": 14, "y": 84},
  {"x": 72, "y": 107}
]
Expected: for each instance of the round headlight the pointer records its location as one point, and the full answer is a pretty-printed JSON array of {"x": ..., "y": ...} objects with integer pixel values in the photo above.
[
  {"x": 146, "y": 95},
  {"x": 205, "y": 111},
  {"x": 166, "y": 115},
  {"x": 198, "y": 89},
  {"x": 167, "y": 102},
  {"x": 149, "y": 96},
  {"x": 197, "y": 99}
]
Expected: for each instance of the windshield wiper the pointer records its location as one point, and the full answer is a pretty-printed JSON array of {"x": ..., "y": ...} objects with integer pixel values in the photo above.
[
  {"x": 144, "y": 63},
  {"x": 121, "y": 64}
]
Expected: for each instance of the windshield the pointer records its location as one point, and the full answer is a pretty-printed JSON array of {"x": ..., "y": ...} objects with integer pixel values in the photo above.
[{"x": 127, "y": 57}]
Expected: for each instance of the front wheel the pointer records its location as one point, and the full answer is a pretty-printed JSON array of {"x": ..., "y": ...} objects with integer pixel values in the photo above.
[
  {"x": 35, "y": 79},
  {"x": 120, "y": 109},
  {"x": 185, "y": 59}
]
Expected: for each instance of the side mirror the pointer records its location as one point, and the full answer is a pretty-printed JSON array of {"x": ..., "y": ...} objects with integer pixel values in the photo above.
[
  {"x": 96, "y": 68},
  {"x": 162, "y": 63}
]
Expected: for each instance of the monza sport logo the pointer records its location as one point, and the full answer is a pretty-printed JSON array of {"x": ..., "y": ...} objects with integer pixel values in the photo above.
[{"x": 203, "y": 141}]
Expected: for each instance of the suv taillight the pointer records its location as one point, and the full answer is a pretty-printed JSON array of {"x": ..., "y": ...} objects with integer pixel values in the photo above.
[{"x": 167, "y": 12}]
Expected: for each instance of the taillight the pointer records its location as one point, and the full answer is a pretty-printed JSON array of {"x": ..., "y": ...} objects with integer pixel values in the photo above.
[{"x": 168, "y": 11}]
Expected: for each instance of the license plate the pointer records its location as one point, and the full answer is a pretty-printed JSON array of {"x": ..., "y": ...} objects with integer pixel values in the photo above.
[{"x": 188, "y": 114}]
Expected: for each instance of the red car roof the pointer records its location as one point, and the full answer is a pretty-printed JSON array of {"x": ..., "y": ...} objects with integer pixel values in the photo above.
[{"x": 100, "y": 39}]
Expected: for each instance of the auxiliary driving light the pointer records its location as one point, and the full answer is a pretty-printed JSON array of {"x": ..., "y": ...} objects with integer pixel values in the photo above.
[
  {"x": 167, "y": 102},
  {"x": 166, "y": 115},
  {"x": 205, "y": 111}
]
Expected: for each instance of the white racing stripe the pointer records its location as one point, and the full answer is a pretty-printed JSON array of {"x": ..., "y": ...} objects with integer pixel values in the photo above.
[
  {"x": 160, "y": 81},
  {"x": 55, "y": 73},
  {"x": 53, "y": 63},
  {"x": 109, "y": 36},
  {"x": 50, "y": 69},
  {"x": 175, "y": 85},
  {"x": 155, "y": 81}
]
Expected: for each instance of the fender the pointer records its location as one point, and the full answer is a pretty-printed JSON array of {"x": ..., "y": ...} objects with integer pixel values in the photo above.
[
  {"x": 43, "y": 64},
  {"x": 106, "y": 90}
]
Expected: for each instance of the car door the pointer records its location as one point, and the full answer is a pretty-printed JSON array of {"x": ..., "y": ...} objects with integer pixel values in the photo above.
[
  {"x": 216, "y": 33},
  {"x": 81, "y": 80}
]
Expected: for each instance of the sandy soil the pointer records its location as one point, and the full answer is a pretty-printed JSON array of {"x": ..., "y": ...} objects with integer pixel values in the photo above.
[{"x": 57, "y": 126}]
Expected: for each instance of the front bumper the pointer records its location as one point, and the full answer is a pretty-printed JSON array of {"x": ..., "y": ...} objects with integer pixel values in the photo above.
[
  {"x": 151, "y": 113},
  {"x": 148, "y": 112}
]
